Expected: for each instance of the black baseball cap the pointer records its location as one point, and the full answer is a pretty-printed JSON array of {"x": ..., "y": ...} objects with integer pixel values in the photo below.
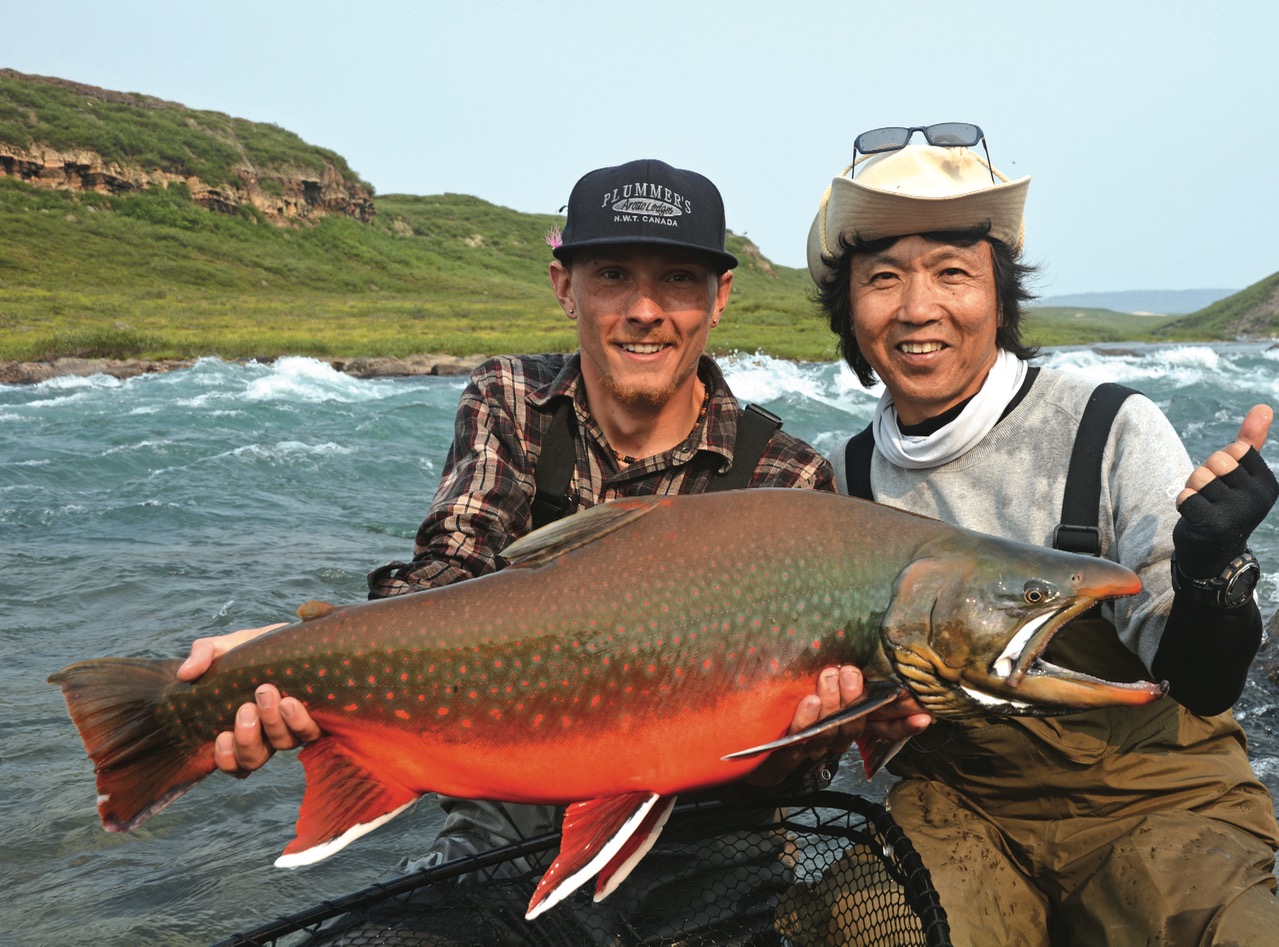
[{"x": 646, "y": 201}]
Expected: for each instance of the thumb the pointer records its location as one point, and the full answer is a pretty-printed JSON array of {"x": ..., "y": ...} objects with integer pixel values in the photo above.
[{"x": 1254, "y": 430}]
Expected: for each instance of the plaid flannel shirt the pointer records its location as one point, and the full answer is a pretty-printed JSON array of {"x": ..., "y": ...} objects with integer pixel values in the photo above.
[{"x": 484, "y": 501}]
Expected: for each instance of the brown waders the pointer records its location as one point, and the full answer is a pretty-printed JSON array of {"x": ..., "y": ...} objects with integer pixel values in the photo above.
[{"x": 1122, "y": 827}]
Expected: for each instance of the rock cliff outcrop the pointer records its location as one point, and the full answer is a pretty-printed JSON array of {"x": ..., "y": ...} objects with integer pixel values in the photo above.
[{"x": 281, "y": 194}]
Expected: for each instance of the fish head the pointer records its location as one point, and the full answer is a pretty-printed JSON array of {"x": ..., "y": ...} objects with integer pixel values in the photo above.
[{"x": 971, "y": 616}]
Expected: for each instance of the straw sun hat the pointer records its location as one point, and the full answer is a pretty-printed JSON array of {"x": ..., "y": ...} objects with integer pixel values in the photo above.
[{"x": 915, "y": 189}]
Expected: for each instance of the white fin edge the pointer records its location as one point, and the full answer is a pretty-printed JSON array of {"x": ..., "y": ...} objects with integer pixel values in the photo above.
[
  {"x": 574, "y": 881},
  {"x": 626, "y": 867},
  {"x": 317, "y": 853}
]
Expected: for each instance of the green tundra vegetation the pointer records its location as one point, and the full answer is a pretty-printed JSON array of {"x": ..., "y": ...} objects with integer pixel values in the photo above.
[{"x": 151, "y": 274}]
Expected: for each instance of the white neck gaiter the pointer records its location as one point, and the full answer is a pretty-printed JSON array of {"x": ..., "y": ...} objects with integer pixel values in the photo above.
[{"x": 959, "y": 436}]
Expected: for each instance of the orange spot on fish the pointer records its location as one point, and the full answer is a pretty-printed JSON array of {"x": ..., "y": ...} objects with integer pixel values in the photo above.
[
  {"x": 351, "y": 708},
  {"x": 443, "y": 711},
  {"x": 402, "y": 714}
]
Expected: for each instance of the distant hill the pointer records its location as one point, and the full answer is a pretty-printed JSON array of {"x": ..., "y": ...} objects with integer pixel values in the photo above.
[
  {"x": 135, "y": 227},
  {"x": 1168, "y": 302},
  {"x": 1250, "y": 313}
]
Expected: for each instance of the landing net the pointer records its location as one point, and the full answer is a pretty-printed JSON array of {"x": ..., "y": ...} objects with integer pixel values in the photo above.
[{"x": 829, "y": 868}]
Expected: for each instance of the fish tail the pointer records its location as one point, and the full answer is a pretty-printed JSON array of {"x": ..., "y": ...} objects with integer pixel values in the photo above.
[{"x": 142, "y": 758}]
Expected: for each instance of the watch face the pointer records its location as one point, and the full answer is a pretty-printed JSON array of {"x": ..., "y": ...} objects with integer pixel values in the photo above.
[{"x": 1240, "y": 585}]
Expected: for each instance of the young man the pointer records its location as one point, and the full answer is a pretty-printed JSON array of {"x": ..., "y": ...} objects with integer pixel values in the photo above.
[
  {"x": 641, "y": 409},
  {"x": 1112, "y": 826}
]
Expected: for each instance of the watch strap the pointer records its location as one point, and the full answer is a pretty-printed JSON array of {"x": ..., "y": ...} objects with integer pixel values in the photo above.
[{"x": 1230, "y": 589}]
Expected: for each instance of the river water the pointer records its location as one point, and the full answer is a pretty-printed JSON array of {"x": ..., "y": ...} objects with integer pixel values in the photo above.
[{"x": 138, "y": 515}]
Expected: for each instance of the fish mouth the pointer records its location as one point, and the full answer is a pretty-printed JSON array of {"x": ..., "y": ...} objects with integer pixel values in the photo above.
[{"x": 1024, "y": 683}]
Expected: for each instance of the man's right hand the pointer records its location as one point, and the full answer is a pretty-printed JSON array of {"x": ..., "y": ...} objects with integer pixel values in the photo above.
[{"x": 267, "y": 724}]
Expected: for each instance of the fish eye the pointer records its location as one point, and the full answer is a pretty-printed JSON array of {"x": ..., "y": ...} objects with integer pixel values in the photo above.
[{"x": 1036, "y": 591}]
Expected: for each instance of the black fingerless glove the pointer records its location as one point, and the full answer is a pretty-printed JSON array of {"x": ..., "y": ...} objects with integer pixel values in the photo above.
[{"x": 1216, "y": 521}]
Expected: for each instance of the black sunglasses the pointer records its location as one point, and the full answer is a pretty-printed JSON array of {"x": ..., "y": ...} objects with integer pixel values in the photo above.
[{"x": 943, "y": 135}]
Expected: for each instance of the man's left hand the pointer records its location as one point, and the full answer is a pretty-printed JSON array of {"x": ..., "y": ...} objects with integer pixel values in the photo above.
[{"x": 1225, "y": 499}]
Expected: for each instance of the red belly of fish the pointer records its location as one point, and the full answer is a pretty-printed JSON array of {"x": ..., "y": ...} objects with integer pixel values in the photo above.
[{"x": 664, "y": 742}]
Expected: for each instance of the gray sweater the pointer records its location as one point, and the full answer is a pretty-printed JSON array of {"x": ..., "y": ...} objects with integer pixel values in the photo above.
[{"x": 1011, "y": 484}]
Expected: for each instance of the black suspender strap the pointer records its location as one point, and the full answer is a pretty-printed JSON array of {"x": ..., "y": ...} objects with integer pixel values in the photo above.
[
  {"x": 555, "y": 468},
  {"x": 755, "y": 428},
  {"x": 555, "y": 465},
  {"x": 1078, "y": 531},
  {"x": 857, "y": 455}
]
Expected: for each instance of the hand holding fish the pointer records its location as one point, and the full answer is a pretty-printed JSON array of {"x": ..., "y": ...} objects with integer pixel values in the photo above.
[
  {"x": 837, "y": 688},
  {"x": 267, "y": 724},
  {"x": 1225, "y": 499}
]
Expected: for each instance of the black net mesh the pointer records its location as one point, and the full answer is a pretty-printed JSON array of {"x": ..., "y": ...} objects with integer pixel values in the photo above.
[{"x": 831, "y": 868}]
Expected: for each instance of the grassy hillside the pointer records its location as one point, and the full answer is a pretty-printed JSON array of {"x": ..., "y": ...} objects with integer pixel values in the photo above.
[
  {"x": 151, "y": 274},
  {"x": 1069, "y": 325},
  {"x": 1251, "y": 312}
]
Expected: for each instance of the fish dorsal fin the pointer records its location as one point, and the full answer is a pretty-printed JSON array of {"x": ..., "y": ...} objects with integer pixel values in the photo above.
[
  {"x": 608, "y": 834},
  {"x": 573, "y": 532},
  {"x": 315, "y": 609}
]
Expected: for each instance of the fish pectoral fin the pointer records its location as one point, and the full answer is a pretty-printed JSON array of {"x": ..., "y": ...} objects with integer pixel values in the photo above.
[
  {"x": 344, "y": 799},
  {"x": 572, "y": 532},
  {"x": 607, "y": 835},
  {"x": 876, "y": 753},
  {"x": 874, "y": 695}
]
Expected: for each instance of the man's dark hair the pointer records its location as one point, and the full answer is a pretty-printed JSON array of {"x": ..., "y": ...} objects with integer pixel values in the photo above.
[{"x": 1011, "y": 276}]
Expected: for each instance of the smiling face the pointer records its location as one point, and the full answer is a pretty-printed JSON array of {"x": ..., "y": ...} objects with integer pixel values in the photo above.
[
  {"x": 643, "y": 315},
  {"x": 924, "y": 316}
]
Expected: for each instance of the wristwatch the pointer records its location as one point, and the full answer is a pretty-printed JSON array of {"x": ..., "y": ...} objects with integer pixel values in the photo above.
[{"x": 1229, "y": 590}]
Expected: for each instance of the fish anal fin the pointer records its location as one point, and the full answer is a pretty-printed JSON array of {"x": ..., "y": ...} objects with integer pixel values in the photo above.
[
  {"x": 630, "y": 854},
  {"x": 875, "y": 694},
  {"x": 594, "y": 833},
  {"x": 572, "y": 532},
  {"x": 344, "y": 800}
]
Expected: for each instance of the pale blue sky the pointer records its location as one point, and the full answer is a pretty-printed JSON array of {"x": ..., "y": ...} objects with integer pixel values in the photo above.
[{"x": 1148, "y": 128}]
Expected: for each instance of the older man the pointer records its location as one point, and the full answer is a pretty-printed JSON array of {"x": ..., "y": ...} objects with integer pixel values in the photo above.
[
  {"x": 640, "y": 409},
  {"x": 1113, "y": 826}
]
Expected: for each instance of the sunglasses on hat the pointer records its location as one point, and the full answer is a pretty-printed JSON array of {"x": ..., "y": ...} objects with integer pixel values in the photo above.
[{"x": 942, "y": 135}]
